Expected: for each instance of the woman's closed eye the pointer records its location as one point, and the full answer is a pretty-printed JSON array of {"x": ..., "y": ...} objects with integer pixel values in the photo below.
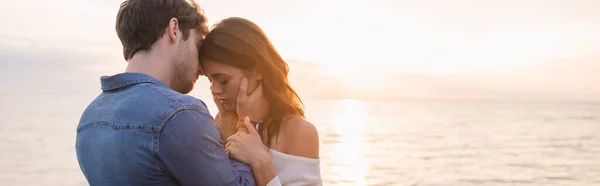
[
  {"x": 220, "y": 78},
  {"x": 224, "y": 82},
  {"x": 221, "y": 81}
]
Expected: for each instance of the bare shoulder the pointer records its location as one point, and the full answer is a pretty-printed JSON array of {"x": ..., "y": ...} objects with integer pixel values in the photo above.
[{"x": 299, "y": 137}]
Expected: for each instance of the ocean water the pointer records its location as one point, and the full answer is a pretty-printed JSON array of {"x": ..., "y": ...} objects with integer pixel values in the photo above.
[{"x": 362, "y": 142}]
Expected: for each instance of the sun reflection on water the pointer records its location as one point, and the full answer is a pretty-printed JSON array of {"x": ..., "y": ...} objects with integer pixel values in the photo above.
[{"x": 349, "y": 165}]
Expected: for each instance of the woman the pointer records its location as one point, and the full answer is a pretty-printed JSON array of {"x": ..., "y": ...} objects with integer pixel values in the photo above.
[{"x": 237, "y": 50}]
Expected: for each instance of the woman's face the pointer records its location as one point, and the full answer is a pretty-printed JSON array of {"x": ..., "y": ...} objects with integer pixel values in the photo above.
[{"x": 225, "y": 82}]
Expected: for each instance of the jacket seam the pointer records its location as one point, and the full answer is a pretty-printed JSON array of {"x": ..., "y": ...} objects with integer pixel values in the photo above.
[
  {"x": 115, "y": 126},
  {"x": 157, "y": 134},
  {"x": 125, "y": 83}
]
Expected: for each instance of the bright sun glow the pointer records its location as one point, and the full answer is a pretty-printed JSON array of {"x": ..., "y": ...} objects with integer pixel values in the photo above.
[
  {"x": 355, "y": 76},
  {"x": 349, "y": 152},
  {"x": 363, "y": 47}
]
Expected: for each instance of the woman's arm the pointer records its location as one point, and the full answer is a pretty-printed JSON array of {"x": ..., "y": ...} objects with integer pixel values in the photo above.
[
  {"x": 297, "y": 137},
  {"x": 246, "y": 146},
  {"x": 264, "y": 171}
]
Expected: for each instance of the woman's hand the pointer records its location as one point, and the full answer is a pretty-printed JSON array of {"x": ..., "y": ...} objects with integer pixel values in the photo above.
[
  {"x": 246, "y": 145},
  {"x": 250, "y": 104},
  {"x": 226, "y": 121}
]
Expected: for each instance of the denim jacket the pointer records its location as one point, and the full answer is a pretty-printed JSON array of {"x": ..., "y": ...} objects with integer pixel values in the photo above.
[{"x": 139, "y": 131}]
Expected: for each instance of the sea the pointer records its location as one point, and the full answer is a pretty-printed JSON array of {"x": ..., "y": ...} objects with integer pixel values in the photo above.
[{"x": 362, "y": 142}]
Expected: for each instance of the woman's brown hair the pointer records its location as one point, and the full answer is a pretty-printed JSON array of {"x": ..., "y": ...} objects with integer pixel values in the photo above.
[{"x": 242, "y": 44}]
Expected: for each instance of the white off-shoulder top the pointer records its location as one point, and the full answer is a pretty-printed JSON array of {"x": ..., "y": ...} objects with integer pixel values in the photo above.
[{"x": 295, "y": 170}]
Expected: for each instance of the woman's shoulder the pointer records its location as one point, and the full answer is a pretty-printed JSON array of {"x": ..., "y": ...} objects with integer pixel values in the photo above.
[
  {"x": 296, "y": 123},
  {"x": 299, "y": 137}
]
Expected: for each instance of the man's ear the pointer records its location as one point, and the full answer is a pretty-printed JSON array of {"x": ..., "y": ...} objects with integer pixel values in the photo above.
[{"x": 173, "y": 30}]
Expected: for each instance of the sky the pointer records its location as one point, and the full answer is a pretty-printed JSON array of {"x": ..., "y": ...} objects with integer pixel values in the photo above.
[{"x": 369, "y": 49}]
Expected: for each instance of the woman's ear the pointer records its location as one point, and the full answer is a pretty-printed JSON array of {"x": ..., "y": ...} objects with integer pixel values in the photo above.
[{"x": 257, "y": 75}]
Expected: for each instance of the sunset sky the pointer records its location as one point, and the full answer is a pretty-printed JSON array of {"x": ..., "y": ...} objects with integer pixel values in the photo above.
[{"x": 459, "y": 49}]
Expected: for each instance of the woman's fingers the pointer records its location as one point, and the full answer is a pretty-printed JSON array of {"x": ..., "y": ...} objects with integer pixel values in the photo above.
[
  {"x": 242, "y": 98},
  {"x": 230, "y": 142},
  {"x": 249, "y": 126},
  {"x": 228, "y": 151},
  {"x": 220, "y": 105}
]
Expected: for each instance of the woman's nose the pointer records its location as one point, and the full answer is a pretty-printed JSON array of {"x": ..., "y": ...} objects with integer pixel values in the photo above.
[{"x": 215, "y": 90}]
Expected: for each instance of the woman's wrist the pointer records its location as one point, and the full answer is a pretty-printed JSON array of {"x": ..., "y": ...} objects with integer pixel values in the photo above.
[
  {"x": 261, "y": 161},
  {"x": 263, "y": 169}
]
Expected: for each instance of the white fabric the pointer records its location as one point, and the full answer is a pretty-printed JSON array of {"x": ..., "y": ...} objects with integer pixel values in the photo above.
[
  {"x": 274, "y": 182},
  {"x": 296, "y": 170}
]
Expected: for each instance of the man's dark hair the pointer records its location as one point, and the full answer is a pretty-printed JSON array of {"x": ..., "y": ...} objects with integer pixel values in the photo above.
[{"x": 141, "y": 22}]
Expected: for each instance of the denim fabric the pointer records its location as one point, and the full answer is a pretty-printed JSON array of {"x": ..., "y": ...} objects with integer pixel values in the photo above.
[{"x": 138, "y": 131}]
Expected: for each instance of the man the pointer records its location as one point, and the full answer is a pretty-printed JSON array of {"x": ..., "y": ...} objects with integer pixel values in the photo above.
[{"x": 142, "y": 129}]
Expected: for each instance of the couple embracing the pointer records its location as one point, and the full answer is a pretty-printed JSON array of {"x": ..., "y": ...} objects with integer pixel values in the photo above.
[{"x": 143, "y": 130}]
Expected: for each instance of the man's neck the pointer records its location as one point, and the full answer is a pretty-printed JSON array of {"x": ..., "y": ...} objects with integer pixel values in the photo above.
[{"x": 150, "y": 64}]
